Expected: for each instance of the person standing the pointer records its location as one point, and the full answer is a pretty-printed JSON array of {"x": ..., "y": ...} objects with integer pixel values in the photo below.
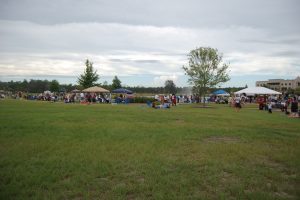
[
  {"x": 173, "y": 99},
  {"x": 81, "y": 97},
  {"x": 270, "y": 107},
  {"x": 162, "y": 99},
  {"x": 237, "y": 100},
  {"x": 294, "y": 107}
]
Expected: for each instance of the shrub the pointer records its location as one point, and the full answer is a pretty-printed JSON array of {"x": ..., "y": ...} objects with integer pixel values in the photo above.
[{"x": 142, "y": 99}]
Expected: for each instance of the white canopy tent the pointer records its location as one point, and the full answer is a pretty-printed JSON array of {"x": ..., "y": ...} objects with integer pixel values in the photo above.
[
  {"x": 96, "y": 89},
  {"x": 257, "y": 90}
]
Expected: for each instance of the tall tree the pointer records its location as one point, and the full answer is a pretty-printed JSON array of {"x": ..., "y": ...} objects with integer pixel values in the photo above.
[
  {"x": 38, "y": 86},
  {"x": 54, "y": 86},
  {"x": 24, "y": 85},
  {"x": 297, "y": 91},
  {"x": 89, "y": 77},
  {"x": 205, "y": 70},
  {"x": 170, "y": 87},
  {"x": 116, "y": 83}
]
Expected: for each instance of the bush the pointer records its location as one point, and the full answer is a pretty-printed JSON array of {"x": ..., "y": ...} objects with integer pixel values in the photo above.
[{"x": 142, "y": 99}]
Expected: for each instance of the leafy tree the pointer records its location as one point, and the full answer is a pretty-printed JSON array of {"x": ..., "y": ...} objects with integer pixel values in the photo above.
[
  {"x": 89, "y": 77},
  {"x": 205, "y": 70},
  {"x": 116, "y": 83},
  {"x": 297, "y": 91},
  {"x": 38, "y": 86},
  {"x": 170, "y": 87},
  {"x": 290, "y": 91},
  {"x": 105, "y": 83},
  {"x": 24, "y": 85},
  {"x": 54, "y": 86}
]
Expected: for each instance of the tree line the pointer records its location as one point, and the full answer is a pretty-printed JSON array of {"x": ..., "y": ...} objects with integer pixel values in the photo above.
[{"x": 39, "y": 86}]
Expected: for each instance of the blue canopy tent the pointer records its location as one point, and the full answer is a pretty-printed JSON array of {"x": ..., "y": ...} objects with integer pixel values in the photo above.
[
  {"x": 221, "y": 93},
  {"x": 122, "y": 91}
]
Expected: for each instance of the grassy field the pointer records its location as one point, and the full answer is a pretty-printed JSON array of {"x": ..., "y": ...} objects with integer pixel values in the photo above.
[{"x": 65, "y": 151}]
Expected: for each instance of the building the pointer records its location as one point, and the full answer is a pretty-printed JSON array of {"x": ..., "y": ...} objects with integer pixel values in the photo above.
[{"x": 280, "y": 84}]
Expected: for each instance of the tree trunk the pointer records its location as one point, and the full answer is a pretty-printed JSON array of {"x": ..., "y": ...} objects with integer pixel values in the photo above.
[{"x": 203, "y": 100}]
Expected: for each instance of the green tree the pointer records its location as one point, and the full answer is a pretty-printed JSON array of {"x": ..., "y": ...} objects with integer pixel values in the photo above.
[
  {"x": 105, "y": 83},
  {"x": 170, "y": 87},
  {"x": 24, "y": 85},
  {"x": 297, "y": 91},
  {"x": 38, "y": 86},
  {"x": 89, "y": 77},
  {"x": 106, "y": 86},
  {"x": 54, "y": 86},
  {"x": 116, "y": 83},
  {"x": 290, "y": 91},
  {"x": 205, "y": 70}
]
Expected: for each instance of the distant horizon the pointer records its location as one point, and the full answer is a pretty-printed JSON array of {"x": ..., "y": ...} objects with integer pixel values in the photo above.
[{"x": 240, "y": 81}]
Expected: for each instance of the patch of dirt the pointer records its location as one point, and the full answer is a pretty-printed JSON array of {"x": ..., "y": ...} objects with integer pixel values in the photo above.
[
  {"x": 204, "y": 107},
  {"x": 272, "y": 164},
  {"x": 284, "y": 195},
  {"x": 140, "y": 180},
  {"x": 225, "y": 139},
  {"x": 227, "y": 177},
  {"x": 103, "y": 179},
  {"x": 179, "y": 121},
  {"x": 66, "y": 177},
  {"x": 130, "y": 196},
  {"x": 290, "y": 176}
]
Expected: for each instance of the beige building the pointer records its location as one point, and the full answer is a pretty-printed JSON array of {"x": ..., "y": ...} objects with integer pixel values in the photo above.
[{"x": 280, "y": 84}]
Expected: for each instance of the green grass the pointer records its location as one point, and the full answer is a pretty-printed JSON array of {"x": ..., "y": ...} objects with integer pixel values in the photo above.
[{"x": 64, "y": 151}]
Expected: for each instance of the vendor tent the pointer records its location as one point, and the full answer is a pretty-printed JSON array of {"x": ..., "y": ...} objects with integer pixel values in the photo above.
[
  {"x": 221, "y": 93},
  {"x": 257, "y": 90},
  {"x": 96, "y": 89},
  {"x": 47, "y": 92},
  {"x": 122, "y": 91},
  {"x": 75, "y": 91}
]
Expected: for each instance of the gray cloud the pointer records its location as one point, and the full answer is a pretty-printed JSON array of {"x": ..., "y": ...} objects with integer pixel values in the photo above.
[
  {"x": 274, "y": 14},
  {"x": 133, "y": 61},
  {"x": 147, "y": 61},
  {"x": 287, "y": 53},
  {"x": 129, "y": 37},
  {"x": 275, "y": 41}
]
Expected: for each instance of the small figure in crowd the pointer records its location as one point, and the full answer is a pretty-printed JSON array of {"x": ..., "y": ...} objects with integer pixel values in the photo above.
[
  {"x": 173, "y": 99},
  {"x": 294, "y": 107},
  {"x": 237, "y": 100},
  {"x": 270, "y": 107}
]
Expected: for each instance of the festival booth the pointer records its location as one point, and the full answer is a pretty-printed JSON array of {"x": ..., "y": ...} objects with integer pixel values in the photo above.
[
  {"x": 251, "y": 91},
  {"x": 123, "y": 95},
  {"x": 220, "y": 96},
  {"x": 75, "y": 95},
  {"x": 222, "y": 93},
  {"x": 76, "y": 91},
  {"x": 97, "y": 90}
]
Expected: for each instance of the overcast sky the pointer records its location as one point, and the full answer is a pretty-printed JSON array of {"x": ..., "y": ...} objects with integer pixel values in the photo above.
[{"x": 145, "y": 42}]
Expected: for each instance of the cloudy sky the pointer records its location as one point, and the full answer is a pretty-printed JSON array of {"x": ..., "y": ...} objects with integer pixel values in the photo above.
[{"x": 145, "y": 42}]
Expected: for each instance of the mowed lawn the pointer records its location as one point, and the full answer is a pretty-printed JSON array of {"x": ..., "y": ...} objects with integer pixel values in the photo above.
[{"x": 72, "y": 151}]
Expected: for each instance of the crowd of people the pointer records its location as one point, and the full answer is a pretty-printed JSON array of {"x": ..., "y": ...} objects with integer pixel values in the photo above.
[
  {"x": 65, "y": 97},
  {"x": 287, "y": 104},
  {"x": 92, "y": 98}
]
